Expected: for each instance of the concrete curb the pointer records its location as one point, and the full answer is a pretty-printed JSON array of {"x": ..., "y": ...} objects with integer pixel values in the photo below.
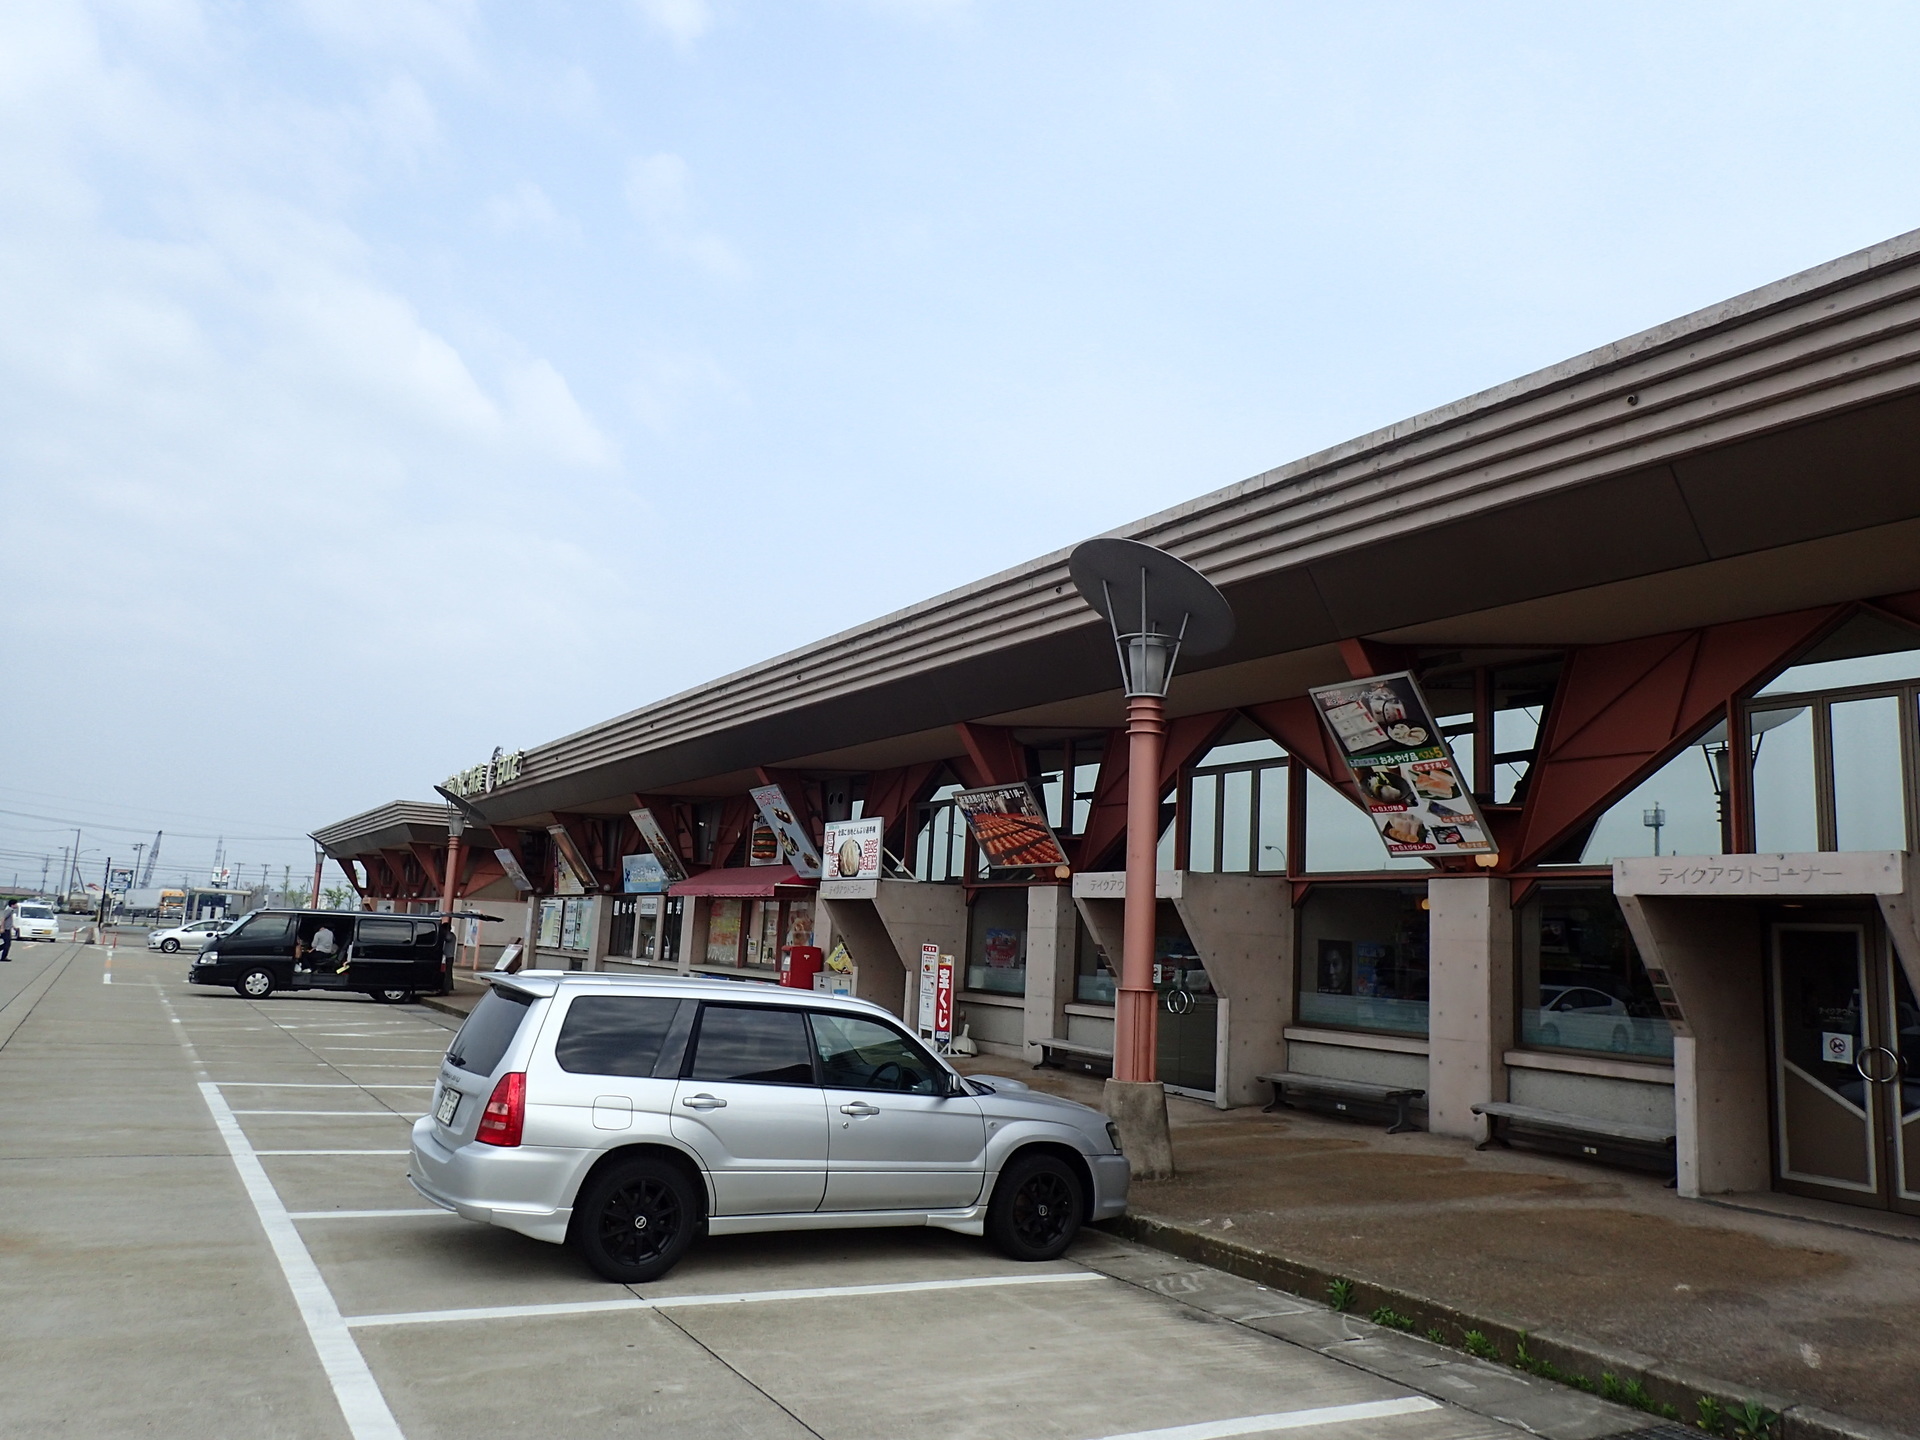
[{"x": 1666, "y": 1382}]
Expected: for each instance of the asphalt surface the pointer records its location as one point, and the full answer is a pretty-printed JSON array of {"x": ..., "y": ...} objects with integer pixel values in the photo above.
[{"x": 206, "y": 1231}]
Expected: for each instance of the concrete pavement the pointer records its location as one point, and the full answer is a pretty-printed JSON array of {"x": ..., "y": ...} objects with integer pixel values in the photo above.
[{"x": 206, "y": 1232}]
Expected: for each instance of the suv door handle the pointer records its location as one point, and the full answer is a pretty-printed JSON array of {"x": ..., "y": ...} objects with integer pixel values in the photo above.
[
  {"x": 859, "y": 1107},
  {"x": 704, "y": 1102}
]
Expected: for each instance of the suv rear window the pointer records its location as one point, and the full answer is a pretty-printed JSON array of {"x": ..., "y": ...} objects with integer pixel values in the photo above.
[
  {"x": 638, "y": 1035},
  {"x": 489, "y": 1031}
]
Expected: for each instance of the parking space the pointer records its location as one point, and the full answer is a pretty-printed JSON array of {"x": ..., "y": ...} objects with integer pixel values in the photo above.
[{"x": 241, "y": 1167}]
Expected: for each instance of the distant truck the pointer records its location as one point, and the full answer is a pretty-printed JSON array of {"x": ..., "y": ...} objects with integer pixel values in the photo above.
[{"x": 154, "y": 903}]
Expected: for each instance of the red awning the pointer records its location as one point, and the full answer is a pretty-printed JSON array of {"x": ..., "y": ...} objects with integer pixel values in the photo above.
[{"x": 755, "y": 882}]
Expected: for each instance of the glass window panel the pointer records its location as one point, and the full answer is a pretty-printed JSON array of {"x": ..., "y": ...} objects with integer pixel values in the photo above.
[
  {"x": 752, "y": 1045},
  {"x": 1272, "y": 820},
  {"x": 1052, "y": 795},
  {"x": 1236, "y": 821},
  {"x": 858, "y": 1054},
  {"x": 621, "y": 1035},
  {"x": 1094, "y": 979},
  {"x": 1340, "y": 837},
  {"x": 1363, "y": 958},
  {"x": 1202, "y": 822},
  {"x": 1783, "y": 794},
  {"x": 1682, "y": 790},
  {"x": 1839, "y": 674},
  {"x": 997, "y": 942},
  {"x": 1869, "y": 793},
  {"x": 1516, "y": 729},
  {"x": 1163, "y": 852},
  {"x": 1462, "y": 748},
  {"x": 1582, "y": 986},
  {"x": 1242, "y": 752}
]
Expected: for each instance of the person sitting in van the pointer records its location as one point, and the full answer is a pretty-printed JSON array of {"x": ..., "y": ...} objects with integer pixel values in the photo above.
[{"x": 318, "y": 949}]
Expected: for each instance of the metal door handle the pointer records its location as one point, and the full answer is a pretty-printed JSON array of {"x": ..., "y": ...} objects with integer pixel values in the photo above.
[
  {"x": 1892, "y": 1074},
  {"x": 859, "y": 1107},
  {"x": 704, "y": 1102}
]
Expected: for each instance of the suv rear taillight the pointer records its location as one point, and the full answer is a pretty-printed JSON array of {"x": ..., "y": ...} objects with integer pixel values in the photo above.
[{"x": 506, "y": 1112}]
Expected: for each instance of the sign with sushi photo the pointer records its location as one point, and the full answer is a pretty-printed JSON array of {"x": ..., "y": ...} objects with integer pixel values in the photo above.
[{"x": 1414, "y": 792}]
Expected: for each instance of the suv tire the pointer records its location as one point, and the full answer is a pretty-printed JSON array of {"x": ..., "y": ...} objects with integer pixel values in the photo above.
[
  {"x": 1036, "y": 1208},
  {"x": 256, "y": 984},
  {"x": 635, "y": 1219}
]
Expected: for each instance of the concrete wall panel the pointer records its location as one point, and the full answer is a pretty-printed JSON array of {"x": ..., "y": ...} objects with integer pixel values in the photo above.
[
  {"x": 1599, "y": 1096},
  {"x": 1242, "y": 926},
  {"x": 1470, "y": 1000}
]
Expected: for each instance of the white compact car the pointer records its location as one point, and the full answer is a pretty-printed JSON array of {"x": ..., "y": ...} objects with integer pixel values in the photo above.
[
  {"x": 35, "y": 920},
  {"x": 626, "y": 1114},
  {"x": 186, "y": 937}
]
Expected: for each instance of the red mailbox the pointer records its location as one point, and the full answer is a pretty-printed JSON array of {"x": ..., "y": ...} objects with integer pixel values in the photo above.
[{"x": 799, "y": 964}]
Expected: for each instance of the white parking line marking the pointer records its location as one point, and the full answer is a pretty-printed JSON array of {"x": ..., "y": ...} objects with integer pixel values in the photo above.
[
  {"x": 361, "y": 1404},
  {"x": 364, "y": 1214},
  {"x": 384, "y": 1049},
  {"x": 330, "y": 1152},
  {"x": 318, "y": 1085},
  {"x": 1284, "y": 1420},
  {"x": 348, "y": 1114},
  {"x": 743, "y": 1297}
]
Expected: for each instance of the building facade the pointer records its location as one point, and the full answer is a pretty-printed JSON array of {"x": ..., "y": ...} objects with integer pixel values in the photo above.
[{"x": 1664, "y": 601}]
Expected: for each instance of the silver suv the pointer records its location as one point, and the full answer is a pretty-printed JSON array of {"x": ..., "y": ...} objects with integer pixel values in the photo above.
[{"x": 625, "y": 1114}]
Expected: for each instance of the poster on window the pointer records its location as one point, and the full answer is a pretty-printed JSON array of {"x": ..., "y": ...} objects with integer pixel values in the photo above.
[
  {"x": 1415, "y": 794},
  {"x": 850, "y": 858},
  {"x": 642, "y": 875},
  {"x": 1010, "y": 827},
  {"x": 796, "y": 849}
]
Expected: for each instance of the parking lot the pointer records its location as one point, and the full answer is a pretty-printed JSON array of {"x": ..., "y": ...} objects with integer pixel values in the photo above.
[{"x": 208, "y": 1232}]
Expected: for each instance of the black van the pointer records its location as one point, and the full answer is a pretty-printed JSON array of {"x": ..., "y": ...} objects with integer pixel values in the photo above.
[{"x": 390, "y": 957}]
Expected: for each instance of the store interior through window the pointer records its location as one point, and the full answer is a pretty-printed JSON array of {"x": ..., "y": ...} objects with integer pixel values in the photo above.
[
  {"x": 1582, "y": 986},
  {"x": 1363, "y": 958},
  {"x": 997, "y": 941}
]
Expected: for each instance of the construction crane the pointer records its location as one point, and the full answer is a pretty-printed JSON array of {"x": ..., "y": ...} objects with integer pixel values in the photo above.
[{"x": 146, "y": 875}]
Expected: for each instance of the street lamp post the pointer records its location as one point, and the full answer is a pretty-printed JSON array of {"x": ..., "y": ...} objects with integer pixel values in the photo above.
[{"x": 1156, "y": 606}]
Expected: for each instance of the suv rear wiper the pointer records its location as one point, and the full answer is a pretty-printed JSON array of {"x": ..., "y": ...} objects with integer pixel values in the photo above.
[{"x": 456, "y": 1058}]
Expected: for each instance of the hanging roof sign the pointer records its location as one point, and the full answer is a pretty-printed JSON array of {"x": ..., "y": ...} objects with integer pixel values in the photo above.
[
  {"x": 1414, "y": 792},
  {"x": 1010, "y": 827},
  {"x": 796, "y": 846}
]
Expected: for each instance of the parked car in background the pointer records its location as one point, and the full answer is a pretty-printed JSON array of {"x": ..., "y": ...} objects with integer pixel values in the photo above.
[
  {"x": 191, "y": 936},
  {"x": 35, "y": 920},
  {"x": 627, "y": 1114}
]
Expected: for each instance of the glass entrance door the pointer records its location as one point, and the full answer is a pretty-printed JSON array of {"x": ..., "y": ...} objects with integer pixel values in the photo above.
[
  {"x": 1846, "y": 1113},
  {"x": 1186, "y": 1053}
]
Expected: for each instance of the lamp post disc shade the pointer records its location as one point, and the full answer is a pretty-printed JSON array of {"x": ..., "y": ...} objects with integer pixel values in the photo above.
[{"x": 1176, "y": 593}]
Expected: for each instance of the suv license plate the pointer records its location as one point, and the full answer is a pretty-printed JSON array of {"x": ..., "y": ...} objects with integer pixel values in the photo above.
[{"x": 449, "y": 1102}]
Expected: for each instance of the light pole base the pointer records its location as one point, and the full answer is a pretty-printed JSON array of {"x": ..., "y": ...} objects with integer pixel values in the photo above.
[{"x": 1139, "y": 1109}]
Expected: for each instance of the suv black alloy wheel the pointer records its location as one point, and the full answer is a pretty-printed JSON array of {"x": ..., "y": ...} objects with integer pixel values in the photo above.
[
  {"x": 635, "y": 1220},
  {"x": 1036, "y": 1209}
]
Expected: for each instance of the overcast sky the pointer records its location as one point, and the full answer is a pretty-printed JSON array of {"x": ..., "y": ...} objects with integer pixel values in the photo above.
[{"x": 386, "y": 380}]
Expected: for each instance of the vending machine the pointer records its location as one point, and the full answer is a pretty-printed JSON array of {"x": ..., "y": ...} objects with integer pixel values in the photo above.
[{"x": 799, "y": 964}]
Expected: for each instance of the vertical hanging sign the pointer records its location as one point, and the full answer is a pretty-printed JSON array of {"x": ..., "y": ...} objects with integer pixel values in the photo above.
[
  {"x": 1414, "y": 792},
  {"x": 795, "y": 846},
  {"x": 929, "y": 982},
  {"x": 943, "y": 1002}
]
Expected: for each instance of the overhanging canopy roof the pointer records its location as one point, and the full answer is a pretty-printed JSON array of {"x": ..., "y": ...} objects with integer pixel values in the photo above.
[{"x": 747, "y": 882}]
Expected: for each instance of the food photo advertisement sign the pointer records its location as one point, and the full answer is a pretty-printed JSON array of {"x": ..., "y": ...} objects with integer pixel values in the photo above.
[{"x": 1414, "y": 792}]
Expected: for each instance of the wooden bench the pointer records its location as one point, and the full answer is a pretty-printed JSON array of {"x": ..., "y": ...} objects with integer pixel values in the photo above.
[
  {"x": 1340, "y": 1092},
  {"x": 1091, "y": 1058},
  {"x": 1618, "y": 1140}
]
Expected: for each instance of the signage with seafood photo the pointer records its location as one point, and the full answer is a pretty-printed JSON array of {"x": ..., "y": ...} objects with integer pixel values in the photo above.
[
  {"x": 1415, "y": 794},
  {"x": 1010, "y": 827},
  {"x": 796, "y": 849}
]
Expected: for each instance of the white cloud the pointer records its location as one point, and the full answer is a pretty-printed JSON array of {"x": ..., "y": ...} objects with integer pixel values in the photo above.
[
  {"x": 681, "y": 21},
  {"x": 658, "y": 193},
  {"x": 526, "y": 209}
]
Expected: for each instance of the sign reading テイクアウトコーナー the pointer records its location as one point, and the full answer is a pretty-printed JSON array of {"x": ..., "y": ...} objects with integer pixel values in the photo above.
[{"x": 1414, "y": 792}]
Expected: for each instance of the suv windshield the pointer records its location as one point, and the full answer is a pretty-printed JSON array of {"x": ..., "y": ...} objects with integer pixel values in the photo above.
[{"x": 489, "y": 1031}]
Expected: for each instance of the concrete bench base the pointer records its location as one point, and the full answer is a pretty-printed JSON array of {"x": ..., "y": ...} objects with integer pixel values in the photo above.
[{"x": 1341, "y": 1091}]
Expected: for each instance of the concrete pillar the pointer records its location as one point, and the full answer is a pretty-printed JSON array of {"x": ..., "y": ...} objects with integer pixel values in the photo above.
[
  {"x": 693, "y": 933},
  {"x": 1242, "y": 925},
  {"x": 599, "y": 924},
  {"x": 884, "y": 936},
  {"x": 1710, "y": 954},
  {"x": 1052, "y": 930},
  {"x": 1469, "y": 999}
]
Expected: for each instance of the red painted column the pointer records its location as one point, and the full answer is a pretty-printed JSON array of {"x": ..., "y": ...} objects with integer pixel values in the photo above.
[
  {"x": 453, "y": 867},
  {"x": 1137, "y": 1012}
]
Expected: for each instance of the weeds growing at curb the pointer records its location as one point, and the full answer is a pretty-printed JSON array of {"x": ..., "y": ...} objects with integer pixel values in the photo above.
[
  {"x": 1754, "y": 1421},
  {"x": 1390, "y": 1318},
  {"x": 1478, "y": 1344},
  {"x": 1340, "y": 1292},
  {"x": 1713, "y": 1415},
  {"x": 1436, "y": 1335}
]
